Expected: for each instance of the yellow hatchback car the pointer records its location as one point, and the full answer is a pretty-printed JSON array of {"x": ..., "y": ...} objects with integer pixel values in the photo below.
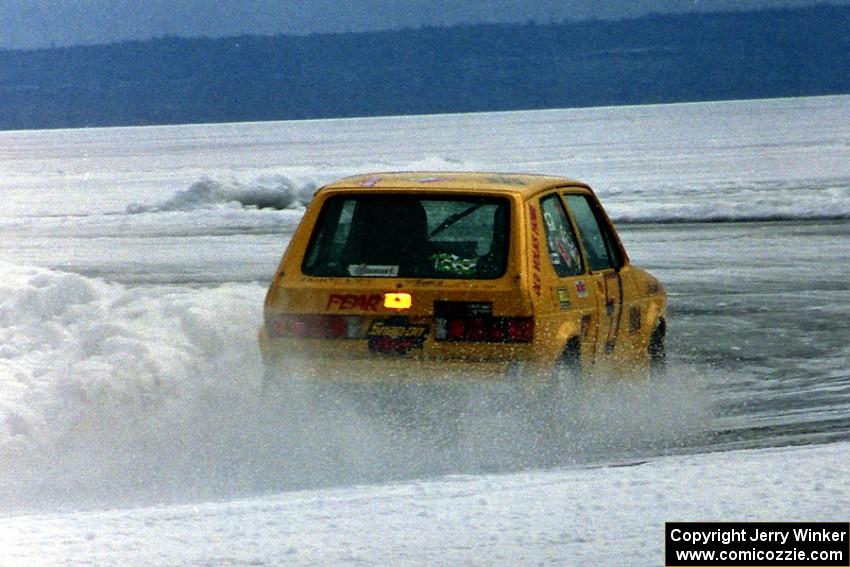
[{"x": 415, "y": 276}]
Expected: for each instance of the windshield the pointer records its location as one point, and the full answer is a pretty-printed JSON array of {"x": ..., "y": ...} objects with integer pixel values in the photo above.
[{"x": 410, "y": 236}]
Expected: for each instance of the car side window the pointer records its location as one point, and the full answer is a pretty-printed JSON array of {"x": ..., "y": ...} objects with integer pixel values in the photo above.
[
  {"x": 560, "y": 238},
  {"x": 595, "y": 236},
  {"x": 326, "y": 253}
]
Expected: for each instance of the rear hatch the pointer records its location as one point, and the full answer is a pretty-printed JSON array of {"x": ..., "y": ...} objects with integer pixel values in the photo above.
[{"x": 403, "y": 274}]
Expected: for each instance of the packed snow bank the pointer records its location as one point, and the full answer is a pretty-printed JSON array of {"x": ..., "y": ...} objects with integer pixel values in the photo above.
[
  {"x": 71, "y": 346},
  {"x": 273, "y": 191},
  {"x": 96, "y": 377},
  {"x": 579, "y": 516}
]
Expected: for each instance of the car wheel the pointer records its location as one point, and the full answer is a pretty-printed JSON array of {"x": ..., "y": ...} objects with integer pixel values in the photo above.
[
  {"x": 568, "y": 366},
  {"x": 656, "y": 350}
]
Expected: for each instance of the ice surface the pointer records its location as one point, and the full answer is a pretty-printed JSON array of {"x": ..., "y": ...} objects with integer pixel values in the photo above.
[
  {"x": 201, "y": 203},
  {"x": 133, "y": 263}
]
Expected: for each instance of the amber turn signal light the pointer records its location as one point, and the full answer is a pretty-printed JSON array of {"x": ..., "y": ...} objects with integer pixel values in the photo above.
[{"x": 398, "y": 300}]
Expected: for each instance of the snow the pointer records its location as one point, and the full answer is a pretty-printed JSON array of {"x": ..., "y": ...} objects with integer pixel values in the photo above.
[
  {"x": 133, "y": 263},
  {"x": 276, "y": 192},
  {"x": 599, "y": 516}
]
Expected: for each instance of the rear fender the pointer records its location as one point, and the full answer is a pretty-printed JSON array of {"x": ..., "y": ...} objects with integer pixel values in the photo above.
[{"x": 553, "y": 348}]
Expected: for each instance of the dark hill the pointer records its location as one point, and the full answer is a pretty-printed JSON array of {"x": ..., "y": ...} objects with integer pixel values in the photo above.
[{"x": 654, "y": 59}]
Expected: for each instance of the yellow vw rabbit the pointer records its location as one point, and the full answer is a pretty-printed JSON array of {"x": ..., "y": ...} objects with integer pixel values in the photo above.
[{"x": 421, "y": 275}]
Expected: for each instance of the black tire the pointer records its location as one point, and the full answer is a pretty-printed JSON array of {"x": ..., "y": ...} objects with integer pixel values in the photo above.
[
  {"x": 656, "y": 350},
  {"x": 568, "y": 366}
]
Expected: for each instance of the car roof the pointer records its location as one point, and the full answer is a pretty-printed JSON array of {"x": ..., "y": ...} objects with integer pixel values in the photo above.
[{"x": 517, "y": 183}]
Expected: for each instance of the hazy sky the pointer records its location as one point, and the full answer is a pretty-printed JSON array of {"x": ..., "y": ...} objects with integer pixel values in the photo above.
[{"x": 26, "y": 24}]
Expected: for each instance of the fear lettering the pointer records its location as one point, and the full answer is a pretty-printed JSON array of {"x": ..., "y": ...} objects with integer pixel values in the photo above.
[{"x": 349, "y": 301}]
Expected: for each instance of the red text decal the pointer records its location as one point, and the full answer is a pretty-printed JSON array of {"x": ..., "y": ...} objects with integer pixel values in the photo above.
[
  {"x": 536, "y": 281},
  {"x": 346, "y": 301}
]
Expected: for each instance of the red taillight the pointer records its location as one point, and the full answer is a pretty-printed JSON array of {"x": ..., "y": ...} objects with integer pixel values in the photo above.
[
  {"x": 496, "y": 334},
  {"x": 455, "y": 330},
  {"x": 485, "y": 329},
  {"x": 477, "y": 329},
  {"x": 313, "y": 326},
  {"x": 521, "y": 330},
  {"x": 334, "y": 327}
]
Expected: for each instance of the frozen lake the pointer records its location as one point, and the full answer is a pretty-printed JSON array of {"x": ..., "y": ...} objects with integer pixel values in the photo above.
[{"x": 133, "y": 263}]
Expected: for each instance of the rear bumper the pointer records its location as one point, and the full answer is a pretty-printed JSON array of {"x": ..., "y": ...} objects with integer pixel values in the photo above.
[
  {"x": 396, "y": 371},
  {"x": 352, "y": 363}
]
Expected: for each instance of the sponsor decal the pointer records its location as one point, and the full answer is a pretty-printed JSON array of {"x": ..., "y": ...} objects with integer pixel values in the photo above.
[
  {"x": 367, "y": 271},
  {"x": 395, "y": 336},
  {"x": 568, "y": 251},
  {"x": 561, "y": 245},
  {"x": 446, "y": 263},
  {"x": 348, "y": 301},
  {"x": 430, "y": 179},
  {"x": 563, "y": 297},
  {"x": 536, "y": 280},
  {"x": 581, "y": 288}
]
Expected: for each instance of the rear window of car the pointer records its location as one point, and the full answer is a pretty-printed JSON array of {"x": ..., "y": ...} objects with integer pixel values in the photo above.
[{"x": 410, "y": 236}]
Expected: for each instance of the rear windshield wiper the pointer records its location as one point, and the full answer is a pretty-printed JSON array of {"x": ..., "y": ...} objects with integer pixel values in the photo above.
[{"x": 451, "y": 219}]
